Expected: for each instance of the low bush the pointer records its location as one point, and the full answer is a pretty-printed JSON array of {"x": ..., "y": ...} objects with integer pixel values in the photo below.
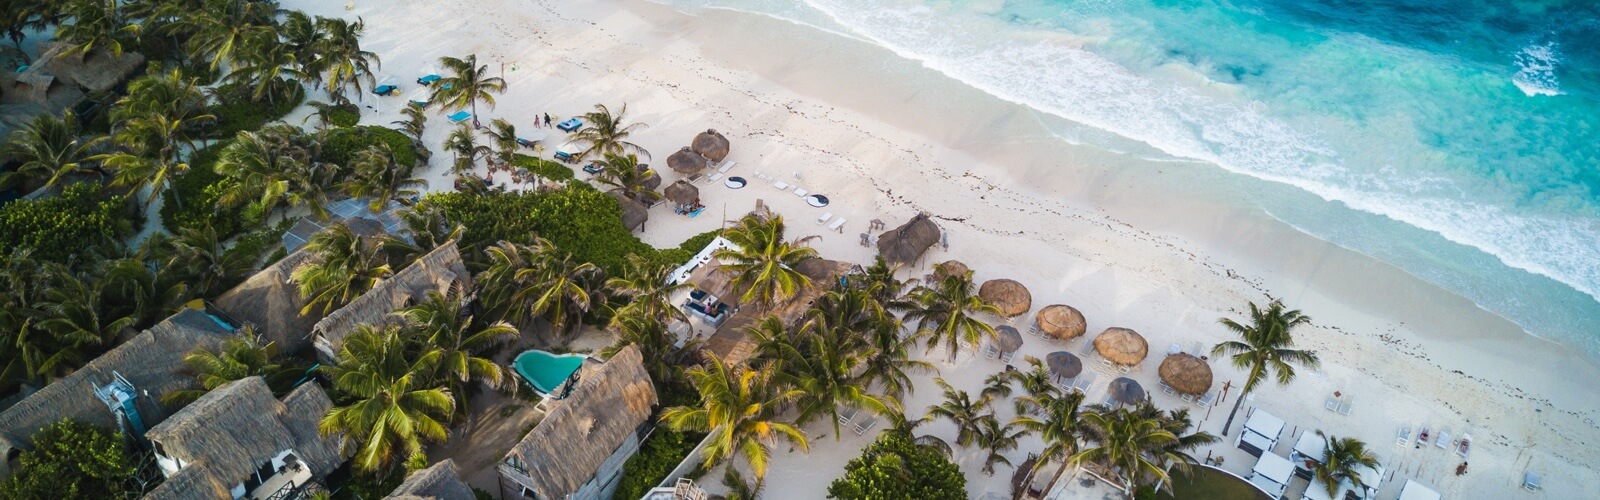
[
  {"x": 72, "y": 459},
  {"x": 192, "y": 199},
  {"x": 56, "y": 228},
  {"x": 344, "y": 116},
  {"x": 896, "y": 467},
  {"x": 342, "y": 144},
  {"x": 657, "y": 457},
  {"x": 545, "y": 169},
  {"x": 236, "y": 111}
]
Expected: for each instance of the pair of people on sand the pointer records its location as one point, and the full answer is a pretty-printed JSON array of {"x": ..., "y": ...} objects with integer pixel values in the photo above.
[{"x": 546, "y": 123}]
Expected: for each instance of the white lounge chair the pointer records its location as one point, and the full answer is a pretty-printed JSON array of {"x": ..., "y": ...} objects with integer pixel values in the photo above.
[
  {"x": 1403, "y": 437},
  {"x": 1005, "y": 357},
  {"x": 990, "y": 352},
  {"x": 837, "y": 223},
  {"x": 864, "y": 425},
  {"x": 1206, "y": 399},
  {"x": 1174, "y": 348},
  {"x": 1444, "y": 439},
  {"x": 727, "y": 165},
  {"x": 782, "y": 186},
  {"x": 1530, "y": 481},
  {"x": 714, "y": 177},
  {"x": 1186, "y": 397},
  {"x": 1084, "y": 381},
  {"x": 848, "y": 414},
  {"x": 801, "y": 192},
  {"x": 1167, "y": 389},
  {"x": 826, "y": 216}
]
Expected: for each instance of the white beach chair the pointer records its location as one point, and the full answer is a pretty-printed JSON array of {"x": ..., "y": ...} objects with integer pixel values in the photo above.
[
  {"x": 714, "y": 177},
  {"x": 1174, "y": 349},
  {"x": 726, "y": 166},
  {"x": 990, "y": 352},
  {"x": 1206, "y": 399},
  {"x": 1444, "y": 439},
  {"x": 1403, "y": 436},
  {"x": 1167, "y": 389},
  {"x": 801, "y": 192},
  {"x": 1186, "y": 397},
  {"x": 1083, "y": 382},
  {"x": 848, "y": 414},
  {"x": 826, "y": 216},
  {"x": 864, "y": 425},
  {"x": 1005, "y": 357},
  {"x": 1530, "y": 481},
  {"x": 837, "y": 223},
  {"x": 782, "y": 186}
]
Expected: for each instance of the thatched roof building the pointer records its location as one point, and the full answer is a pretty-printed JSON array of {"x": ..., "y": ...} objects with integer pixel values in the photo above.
[
  {"x": 686, "y": 161},
  {"x": 634, "y": 214},
  {"x": 1186, "y": 374},
  {"x": 435, "y": 271},
  {"x": 578, "y": 449},
  {"x": 151, "y": 362},
  {"x": 1010, "y": 296},
  {"x": 1122, "y": 346},
  {"x": 438, "y": 482},
  {"x": 97, "y": 71},
  {"x": 1061, "y": 322},
  {"x": 240, "y": 434},
  {"x": 731, "y": 342},
  {"x": 271, "y": 303},
  {"x": 905, "y": 244},
  {"x": 682, "y": 193},
  {"x": 711, "y": 145},
  {"x": 712, "y": 278}
]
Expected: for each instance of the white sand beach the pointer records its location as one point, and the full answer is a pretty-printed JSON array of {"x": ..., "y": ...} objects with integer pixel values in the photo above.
[{"x": 1163, "y": 248}]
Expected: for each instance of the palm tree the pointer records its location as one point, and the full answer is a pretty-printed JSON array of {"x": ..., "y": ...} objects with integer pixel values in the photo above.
[
  {"x": 889, "y": 364},
  {"x": 1059, "y": 423},
  {"x": 212, "y": 267},
  {"x": 50, "y": 148},
  {"x": 948, "y": 312},
  {"x": 425, "y": 228},
  {"x": 762, "y": 263},
  {"x": 345, "y": 267},
  {"x": 995, "y": 440},
  {"x": 303, "y": 37},
  {"x": 75, "y": 311},
  {"x": 1343, "y": 459},
  {"x": 262, "y": 165},
  {"x": 145, "y": 294},
  {"x": 154, "y": 122},
  {"x": 265, "y": 66},
  {"x": 962, "y": 410},
  {"x": 738, "y": 410},
  {"x": 96, "y": 25},
  {"x": 379, "y": 177},
  {"x": 823, "y": 369},
  {"x": 222, "y": 27},
  {"x": 416, "y": 120},
  {"x": 647, "y": 286},
  {"x": 653, "y": 339},
  {"x": 393, "y": 412},
  {"x": 18, "y": 17},
  {"x": 240, "y": 357},
  {"x": 605, "y": 133},
  {"x": 454, "y": 345},
  {"x": 624, "y": 173},
  {"x": 464, "y": 143},
  {"x": 900, "y": 424},
  {"x": 467, "y": 84},
  {"x": 1265, "y": 346},
  {"x": 535, "y": 280},
  {"x": 1126, "y": 442},
  {"x": 339, "y": 54},
  {"x": 504, "y": 136},
  {"x": 1175, "y": 455}
]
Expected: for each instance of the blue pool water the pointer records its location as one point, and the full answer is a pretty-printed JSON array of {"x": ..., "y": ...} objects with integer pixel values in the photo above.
[
  {"x": 545, "y": 371},
  {"x": 1456, "y": 139}
]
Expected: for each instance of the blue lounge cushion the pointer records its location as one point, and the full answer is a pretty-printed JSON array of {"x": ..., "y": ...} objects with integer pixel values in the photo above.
[{"x": 460, "y": 116}]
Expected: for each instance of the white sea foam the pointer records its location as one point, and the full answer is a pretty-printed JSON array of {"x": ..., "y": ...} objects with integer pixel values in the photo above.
[{"x": 1536, "y": 69}]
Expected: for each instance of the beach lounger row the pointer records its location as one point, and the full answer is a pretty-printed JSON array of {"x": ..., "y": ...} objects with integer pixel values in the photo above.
[{"x": 846, "y": 415}]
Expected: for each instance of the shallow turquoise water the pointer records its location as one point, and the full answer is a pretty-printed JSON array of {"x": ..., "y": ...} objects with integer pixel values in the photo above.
[{"x": 546, "y": 371}]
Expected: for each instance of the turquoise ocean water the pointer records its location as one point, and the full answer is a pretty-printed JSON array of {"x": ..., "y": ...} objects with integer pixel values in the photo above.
[{"x": 1456, "y": 139}]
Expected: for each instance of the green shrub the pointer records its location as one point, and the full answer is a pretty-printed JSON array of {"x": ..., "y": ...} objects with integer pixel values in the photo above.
[
  {"x": 342, "y": 144},
  {"x": 236, "y": 111},
  {"x": 72, "y": 459},
  {"x": 687, "y": 249},
  {"x": 59, "y": 227},
  {"x": 657, "y": 456},
  {"x": 545, "y": 169},
  {"x": 344, "y": 116},
  {"x": 197, "y": 193},
  {"x": 895, "y": 467},
  {"x": 583, "y": 222}
]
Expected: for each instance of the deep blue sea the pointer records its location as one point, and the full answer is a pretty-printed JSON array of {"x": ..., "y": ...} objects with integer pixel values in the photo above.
[{"x": 1457, "y": 139}]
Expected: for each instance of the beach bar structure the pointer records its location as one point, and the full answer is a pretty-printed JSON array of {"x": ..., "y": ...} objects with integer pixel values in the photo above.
[
  {"x": 577, "y": 451},
  {"x": 1416, "y": 491},
  {"x": 905, "y": 244},
  {"x": 1260, "y": 432},
  {"x": 436, "y": 271},
  {"x": 1272, "y": 474},
  {"x": 1308, "y": 451},
  {"x": 1371, "y": 480}
]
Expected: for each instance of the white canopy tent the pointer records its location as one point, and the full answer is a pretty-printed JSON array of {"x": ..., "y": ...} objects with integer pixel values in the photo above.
[
  {"x": 1416, "y": 491},
  {"x": 1310, "y": 446},
  {"x": 1272, "y": 474},
  {"x": 1370, "y": 480},
  {"x": 1260, "y": 433}
]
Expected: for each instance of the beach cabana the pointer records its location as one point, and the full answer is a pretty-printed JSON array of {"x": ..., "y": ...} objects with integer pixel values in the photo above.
[
  {"x": 905, "y": 244},
  {"x": 1271, "y": 474},
  {"x": 1010, "y": 296},
  {"x": 1416, "y": 491},
  {"x": 1007, "y": 339},
  {"x": 1308, "y": 452},
  {"x": 949, "y": 268},
  {"x": 1186, "y": 374},
  {"x": 711, "y": 145},
  {"x": 1125, "y": 391},
  {"x": 1060, "y": 322},
  {"x": 1063, "y": 364},
  {"x": 439, "y": 482},
  {"x": 1260, "y": 432},
  {"x": 1371, "y": 480},
  {"x": 686, "y": 161},
  {"x": 682, "y": 193},
  {"x": 1121, "y": 346}
]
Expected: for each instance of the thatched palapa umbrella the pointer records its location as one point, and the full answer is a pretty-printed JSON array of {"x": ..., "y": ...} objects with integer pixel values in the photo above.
[
  {"x": 1126, "y": 391},
  {"x": 1008, "y": 339},
  {"x": 1122, "y": 346},
  {"x": 634, "y": 214},
  {"x": 682, "y": 193},
  {"x": 1063, "y": 364},
  {"x": 686, "y": 161},
  {"x": 711, "y": 145},
  {"x": 949, "y": 268},
  {"x": 1061, "y": 322},
  {"x": 1010, "y": 296},
  {"x": 1187, "y": 374},
  {"x": 649, "y": 178},
  {"x": 904, "y": 244}
]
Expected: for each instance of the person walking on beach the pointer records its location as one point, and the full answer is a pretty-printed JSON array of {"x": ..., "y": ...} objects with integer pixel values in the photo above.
[
  {"x": 547, "y": 119},
  {"x": 536, "y": 121}
]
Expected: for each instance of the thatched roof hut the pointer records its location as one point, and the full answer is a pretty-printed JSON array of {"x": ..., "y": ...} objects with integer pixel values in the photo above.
[
  {"x": 905, "y": 244},
  {"x": 634, "y": 214},
  {"x": 713, "y": 279},
  {"x": 1125, "y": 390},
  {"x": 949, "y": 268},
  {"x": 682, "y": 193},
  {"x": 435, "y": 271},
  {"x": 1010, "y": 296},
  {"x": 1187, "y": 374},
  {"x": 1008, "y": 339},
  {"x": 271, "y": 303},
  {"x": 731, "y": 342},
  {"x": 711, "y": 145},
  {"x": 231, "y": 432},
  {"x": 437, "y": 482},
  {"x": 96, "y": 71},
  {"x": 686, "y": 161},
  {"x": 1122, "y": 346},
  {"x": 152, "y": 361},
  {"x": 1061, "y": 322},
  {"x": 1064, "y": 364},
  {"x": 604, "y": 412}
]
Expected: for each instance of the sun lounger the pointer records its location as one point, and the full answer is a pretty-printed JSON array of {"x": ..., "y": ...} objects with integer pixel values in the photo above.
[
  {"x": 866, "y": 424},
  {"x": 714, "y": 177},
  {"x": 428, "y": 79},
  {"x": 1206, "y": 399},
  {"x": 847, "y": 414},
  {"x": 1403, "y": 437},
  {"x": 570, "y": 125},
  {"x": 385, "y": 89},
  {"x": 726, "y": 166},
  {"x": 1444, "y": 439},
  {"x": 1530, "y": 481},
  {"x": 1186, "y": 397},
  {"x": 801, "y": 192},
  {"x": 990, "y": 352},
  {"x": 826, "y": 216},
  {"x": 1006, "y": 357},
  {"x": 1422, "y": 436},
  {"x": 460, "y": 116},
  {"x": 1083, "y": 382},
  {"x": 782, "y": 186},
  {"x": 1174, "y": 348},
  {"x": 1464, "y": 446},
  {"x": 837, "y": 223},
  {"x": 1167, "y": 389}
]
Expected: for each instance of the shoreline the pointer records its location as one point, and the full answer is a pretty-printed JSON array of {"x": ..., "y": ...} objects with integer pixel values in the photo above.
[{"x": 1120, "y": 238}]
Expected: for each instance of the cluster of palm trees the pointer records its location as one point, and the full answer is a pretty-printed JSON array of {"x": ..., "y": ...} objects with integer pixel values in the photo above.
[{"x": 281, "y": 166}]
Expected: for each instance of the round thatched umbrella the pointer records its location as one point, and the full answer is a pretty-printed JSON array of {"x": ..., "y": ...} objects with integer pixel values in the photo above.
[
  {"x": 904, "y": 244},
  {"x": 682, "y": 193},
  {"x": 1063, "y": 364},
  {"x": 711, "y": 145},
  {"x": 634, "y": 214},
  {"x": 949, "y": 268},
  {"x": 1126, "y": 391},
  {"x": 1061, "y": 322},
  {"x": 1187, "y": 374},
  {"x": 1011, "y": 297},
  {"x": 686, "y": 161},
  {"x": 649, "y": 178},
  {"x": 1122, "y": 346},
  {"x": 1008, "y": 338}
]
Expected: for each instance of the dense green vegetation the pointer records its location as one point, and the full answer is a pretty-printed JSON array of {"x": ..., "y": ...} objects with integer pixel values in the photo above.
[
  {"x": 237, "y": 112},
  {"x": 58, "y": 228},
  {"x": 545, "y": 169},
  {"x": 195, "y": 196},
  {"x": 341, "y": 146},
  {"x": 896, "y": 468},
  {"x": 659, "y": 454},
  {"x": 71, "y": 459}
]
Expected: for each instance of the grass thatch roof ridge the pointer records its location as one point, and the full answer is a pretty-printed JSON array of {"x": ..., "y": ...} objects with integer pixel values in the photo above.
[
  {"x": 439, "y": 481},
  {"x": 731, "y": 340},
  {"x": 437, "y": 271},
  {"x": 151, "y": 361},
  {"x": 272, "y": 303},
  {"x": 568, "y": 447},
  {"x": 905, "y": 244},
  {"x": 97, "y": 71}
]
